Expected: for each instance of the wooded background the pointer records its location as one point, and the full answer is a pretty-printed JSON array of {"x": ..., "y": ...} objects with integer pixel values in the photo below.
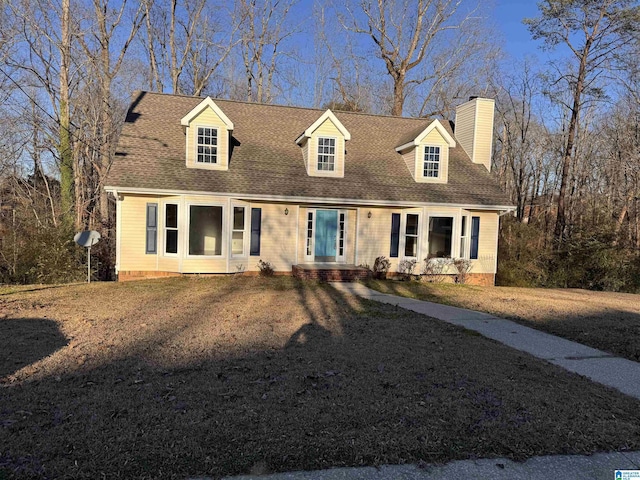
[{"x": 566, "y": 142}]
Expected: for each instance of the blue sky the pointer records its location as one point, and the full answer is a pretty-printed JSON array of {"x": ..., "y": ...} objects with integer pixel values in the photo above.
[{"x": 508, "y": 16}]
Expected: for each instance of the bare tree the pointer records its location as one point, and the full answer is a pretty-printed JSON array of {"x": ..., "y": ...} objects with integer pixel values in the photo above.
[
  {"x": 419, "y": 41},
  {"x": 517, "y": 134},
  {"x": 264, "y": 27},
  {"x": 594, "y": 33},
  {"x": 185, "y": 39},
  {"x": 106, "y": 46},
  {"x": 43, "y": 58},
  {"x": 341, "y": 75}
]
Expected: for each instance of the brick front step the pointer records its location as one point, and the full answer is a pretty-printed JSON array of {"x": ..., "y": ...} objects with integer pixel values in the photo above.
[{"x": 338, "y": 274}]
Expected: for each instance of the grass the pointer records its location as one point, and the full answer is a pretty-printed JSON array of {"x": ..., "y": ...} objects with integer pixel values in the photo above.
[
  {"x": 221, "y": 376},
  {"x": 604, "y": 320}
]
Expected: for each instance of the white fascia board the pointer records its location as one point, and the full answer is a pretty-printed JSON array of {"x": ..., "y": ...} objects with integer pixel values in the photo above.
[
  {"x": 326, "y": 115},
  {"x": 207, "y": 102},
  {"x": 406, "y": 146},
  {"x": 433, "y": 125},
  {"x": 296, "y": 199}
]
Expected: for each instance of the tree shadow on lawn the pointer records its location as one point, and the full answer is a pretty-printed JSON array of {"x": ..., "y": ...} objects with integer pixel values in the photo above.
[
  {"x": 24, "y": 341},
  {"x": 354, "y": 383}
]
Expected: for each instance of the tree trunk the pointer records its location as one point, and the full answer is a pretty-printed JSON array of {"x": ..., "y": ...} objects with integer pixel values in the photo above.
[
  {"x": 64, "y": 148},
  {"x": 398, "y": 95},
  {"x": 559, "y": 231}
]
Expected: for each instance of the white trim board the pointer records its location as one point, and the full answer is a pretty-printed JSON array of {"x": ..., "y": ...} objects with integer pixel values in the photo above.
[{"x": 310, "y": 200}]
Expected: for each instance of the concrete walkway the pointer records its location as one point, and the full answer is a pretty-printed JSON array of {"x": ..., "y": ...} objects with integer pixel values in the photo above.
[
  {"x": 599, "y": 366},
  {"x": 601, "y": 466}
]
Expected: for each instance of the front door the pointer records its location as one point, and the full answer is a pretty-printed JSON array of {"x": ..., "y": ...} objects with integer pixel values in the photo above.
[{"x": 326, "y": 230}]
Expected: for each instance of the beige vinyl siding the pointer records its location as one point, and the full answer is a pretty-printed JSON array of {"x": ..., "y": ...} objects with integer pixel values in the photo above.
[
  {"x": 302, "y": 234},
  {"x": 350, "y": 235},
  {"x": 464, "y": 125},
  {"x": 326, "y": 129},
  {"x": 133, "y": 234},
  {"x": 409, "y": 158},
  {"x": 168, "y": 264},
  {"x": 204, "y": 265},
  {"x": 305, "y": 153},
  {"x": 277, "y": 237},
  {"x": 283, "y": 237},
  {"x": 487, "y": 242},
  {"x": 208, "y": 118},
  {"x": 474, "y": 129},
  {"x": 484, "y": 132},
  {"x": 374, "y": 235}
]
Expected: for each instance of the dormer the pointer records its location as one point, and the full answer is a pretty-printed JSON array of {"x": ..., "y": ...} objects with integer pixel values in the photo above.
[
  {"x": 207, "y": 131},
  {"x": 427, "y": 155},
  {"x": 323, "y": 146}
]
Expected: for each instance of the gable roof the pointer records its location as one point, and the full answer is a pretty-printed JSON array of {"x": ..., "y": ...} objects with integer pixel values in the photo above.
[
  {"x": 434, "y": 125},
  {"x": 197, "y": 110},
  {"x": 314, "y": 126},
  {"x": 266, "y": 161}
]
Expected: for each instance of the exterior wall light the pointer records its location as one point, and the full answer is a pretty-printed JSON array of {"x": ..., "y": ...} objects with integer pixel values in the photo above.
[
  {"x": 286, "y": 211},
  {"x": 369, "y": 214}
]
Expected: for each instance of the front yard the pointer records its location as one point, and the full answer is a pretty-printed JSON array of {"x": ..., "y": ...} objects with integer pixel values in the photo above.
[
  {"x": 218, "y": 376},
  {"x": 604, "y": 320}
]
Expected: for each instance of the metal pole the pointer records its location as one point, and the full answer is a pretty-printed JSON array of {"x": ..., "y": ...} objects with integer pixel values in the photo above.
[{"x": 89, "y": 265}]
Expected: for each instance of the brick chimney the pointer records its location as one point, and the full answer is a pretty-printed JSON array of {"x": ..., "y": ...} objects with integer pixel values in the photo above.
[{"x": 474, "y": 129}]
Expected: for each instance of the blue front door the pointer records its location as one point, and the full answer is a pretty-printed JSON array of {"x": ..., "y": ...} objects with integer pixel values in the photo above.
[{"x": 326, "y": 230}]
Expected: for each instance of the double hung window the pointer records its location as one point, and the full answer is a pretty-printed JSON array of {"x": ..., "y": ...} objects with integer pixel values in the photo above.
[
  {"x": 207, "y": 145},
  {"x": 171, "y": 228},
  {"x": 431, "y": 161},
  {"x": 326, "y": 154},
  {"x": 411, "y": 236}
]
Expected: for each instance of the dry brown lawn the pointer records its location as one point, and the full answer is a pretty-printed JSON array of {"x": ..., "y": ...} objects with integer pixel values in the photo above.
[
  {"x": 604, "y": 320},
  {"x": 218, "y": 376}
]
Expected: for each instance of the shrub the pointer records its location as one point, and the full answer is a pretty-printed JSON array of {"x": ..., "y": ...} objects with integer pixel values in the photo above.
[
  {"x": 381, "y": 266},
  {"x": 522, "y": 255},
  {"x": 266, "y": 268},
  {"x": 406, "y": 267},
  {"x": 434, "y": 269},
  {"x": 463, "y": 266},
  {"x": 45, "y": 255},
  {"x": 591, "y": 258}
]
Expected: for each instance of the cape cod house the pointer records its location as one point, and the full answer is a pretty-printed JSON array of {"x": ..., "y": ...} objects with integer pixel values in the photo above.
[{"x": 214, "y": 186}]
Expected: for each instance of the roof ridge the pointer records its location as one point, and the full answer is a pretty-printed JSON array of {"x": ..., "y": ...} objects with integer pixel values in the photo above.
[{"x": 297, "y": 107}]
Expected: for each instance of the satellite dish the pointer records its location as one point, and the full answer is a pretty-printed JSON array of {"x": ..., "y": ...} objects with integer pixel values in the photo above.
[{"x": 87, "y": 238}]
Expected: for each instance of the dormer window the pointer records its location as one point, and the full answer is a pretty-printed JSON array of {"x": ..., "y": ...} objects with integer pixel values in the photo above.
[
  {"x": 326, "y": 154},
  {"x": 431, "y": 161},
  {"x": 207, "y": 145},
  {"x": 323, "y": 146},
  {"x": 207, "y": 130},
  {"x": 427, "y": 154}
]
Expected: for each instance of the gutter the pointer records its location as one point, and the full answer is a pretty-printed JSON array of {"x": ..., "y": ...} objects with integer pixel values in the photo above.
[{"x": 310, "y": 200}]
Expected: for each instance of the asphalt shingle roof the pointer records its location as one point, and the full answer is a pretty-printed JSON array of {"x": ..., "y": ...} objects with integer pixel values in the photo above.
[{"x": 265, "y": 159}]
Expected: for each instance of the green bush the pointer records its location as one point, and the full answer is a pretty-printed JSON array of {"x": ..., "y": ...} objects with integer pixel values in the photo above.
[
  {"x": 522, "y": 257},
  {"x": 45, "y": 255},
  {"x": 590, "y": 259}
]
